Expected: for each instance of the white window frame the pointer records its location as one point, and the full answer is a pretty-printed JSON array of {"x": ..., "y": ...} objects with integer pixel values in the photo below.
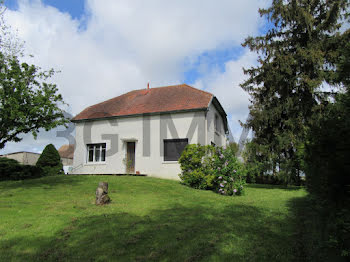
[{"x": 98, "y": 147}]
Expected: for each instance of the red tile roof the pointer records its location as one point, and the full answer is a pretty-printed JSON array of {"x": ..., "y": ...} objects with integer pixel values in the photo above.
[
  {"x": 153, "y": 100},
  {"x": 66, "y": 151}
]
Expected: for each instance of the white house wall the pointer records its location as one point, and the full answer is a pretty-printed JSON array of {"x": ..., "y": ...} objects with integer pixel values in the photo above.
[
  {"x": 120, "y": 130},
  {"x": 66, "y": 161},
  {"x": 217, "y": 137}
]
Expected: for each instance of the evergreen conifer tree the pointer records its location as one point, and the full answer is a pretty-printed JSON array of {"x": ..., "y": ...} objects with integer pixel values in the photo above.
[
  {"x": 50, "y": 161},
  {"x": 297, "y": 56}
]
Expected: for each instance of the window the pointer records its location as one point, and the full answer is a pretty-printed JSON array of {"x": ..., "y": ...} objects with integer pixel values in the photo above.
[
  {"x": 96, "y": 152},
  {"x": 217, "y": 123},
  {"x": 173, "y": 148},
  {"x": 213, "y": 144}
]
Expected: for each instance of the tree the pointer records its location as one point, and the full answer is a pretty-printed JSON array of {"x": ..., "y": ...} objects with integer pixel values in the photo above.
[
  {"x": 10, "y": 44},
  {"x": 50, "y": 161},
  {"x": 27, "y": 101},
  {"x": 327, "y": 166},
  {"x": 256, "y": 162},
  {"x": 296, "y": 57},
  {"x": 327, "y": 155}
]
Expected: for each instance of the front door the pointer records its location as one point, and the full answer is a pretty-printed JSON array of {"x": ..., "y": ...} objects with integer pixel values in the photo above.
[{"x": 130, "y": 157}]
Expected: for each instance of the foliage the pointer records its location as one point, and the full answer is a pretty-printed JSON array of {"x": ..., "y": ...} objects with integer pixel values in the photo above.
[
  {"x": 298, "y": 124},
  {"x": 193, "y": 172},
  {"x": 234, "y": 147},
  {"x": 128, "y": 164},
  {"x": 229, "y": 173},
  {"x": 11, "y": 169},
  {"x": 297, "y": 55},
  {"x": 208, "y": 167},
  {"x": 339, "y": 227},
  {"x": 27, "y": 101},
  {"x": 259, "y": 167},
  {"x": 256, "y": 161},
  {"x": 327, "y": 167},
  {"x": 197, "y": 179},
  {"x": 50, "y": 161},
  {"x": 332, "y": 242},
  {"x": 10, "y": 44},
  {"x": 328, "y": 152},
  {"x": 158, "y": 219}
]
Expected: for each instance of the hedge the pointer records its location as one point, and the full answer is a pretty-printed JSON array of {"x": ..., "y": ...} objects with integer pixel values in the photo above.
[{"x": 11, "y": 169}]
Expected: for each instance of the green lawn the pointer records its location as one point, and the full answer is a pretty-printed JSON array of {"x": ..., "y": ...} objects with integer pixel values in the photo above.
[{"x": 55, "y": 219}]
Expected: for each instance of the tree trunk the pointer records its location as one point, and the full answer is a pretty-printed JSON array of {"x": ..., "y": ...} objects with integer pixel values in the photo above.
[
  {"x": 104, "y": 186},
  {"x": 102, "y": 194}
]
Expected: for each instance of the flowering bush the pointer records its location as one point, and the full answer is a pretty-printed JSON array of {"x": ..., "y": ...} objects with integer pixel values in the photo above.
[
  {"x": 215, "y": 168},
  {"x": 229, "y": 173}
]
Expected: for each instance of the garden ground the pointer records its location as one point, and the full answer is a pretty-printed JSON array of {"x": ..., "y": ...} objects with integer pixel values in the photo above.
[{"x": 55, "y": 219}]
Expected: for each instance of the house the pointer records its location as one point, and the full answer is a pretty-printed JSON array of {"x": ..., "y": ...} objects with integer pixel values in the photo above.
[
  {"x": 144, "y": 131},
  {"x": 66, "y": 153},
  {"x": 23, "y": 157}
]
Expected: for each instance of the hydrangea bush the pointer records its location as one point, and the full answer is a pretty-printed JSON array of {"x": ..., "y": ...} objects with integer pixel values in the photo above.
[
  {"x": 229, "y": 173},
  {"x": 214, "y": 168}
]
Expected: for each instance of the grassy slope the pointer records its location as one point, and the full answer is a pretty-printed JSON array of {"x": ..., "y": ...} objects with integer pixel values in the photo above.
[{"x": 54, "y": 218}]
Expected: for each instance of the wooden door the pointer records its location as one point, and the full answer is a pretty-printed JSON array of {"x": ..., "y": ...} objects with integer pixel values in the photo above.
[{"x": 130, "y": 157}]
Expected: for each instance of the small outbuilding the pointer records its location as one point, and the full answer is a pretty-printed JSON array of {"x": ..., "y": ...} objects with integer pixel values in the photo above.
[
  {"x": 23, "y": 157},
  {"x": 66, "y": 153}
]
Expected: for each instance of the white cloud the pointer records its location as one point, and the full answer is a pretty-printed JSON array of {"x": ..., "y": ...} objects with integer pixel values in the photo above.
[
  {"x": 125, "y": 44},
  {"x": 226, "y": 87}
]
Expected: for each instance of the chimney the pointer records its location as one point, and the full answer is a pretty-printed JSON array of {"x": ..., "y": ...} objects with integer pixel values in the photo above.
[{"x": 147, "y": 89}]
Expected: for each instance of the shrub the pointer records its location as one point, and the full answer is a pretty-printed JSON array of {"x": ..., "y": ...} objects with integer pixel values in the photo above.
[
  {"x": 229, "y": 173},
  {"x": 50, "y": 161},
  {"x": 195, "y": 179},
  {"x": 208, "y": 167},
  {"x": 11, "y": 169},
  {"x": 191, "y": 161},
  {"x": 8, "y": 168}
]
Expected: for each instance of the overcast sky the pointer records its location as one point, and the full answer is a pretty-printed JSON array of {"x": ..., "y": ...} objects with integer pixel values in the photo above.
[{"x": 104, "y": 48}]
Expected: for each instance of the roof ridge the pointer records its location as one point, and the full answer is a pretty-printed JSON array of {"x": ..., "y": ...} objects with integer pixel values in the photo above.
[
  {"x": 137, "y": 101},
  {"x": 112, "y": 98},
  {"x": 158, "y": 87},
  {"x": 206, "y": 92},
  {"x": 182, "y": 85},
  {"x": 20, "y": 152}
]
